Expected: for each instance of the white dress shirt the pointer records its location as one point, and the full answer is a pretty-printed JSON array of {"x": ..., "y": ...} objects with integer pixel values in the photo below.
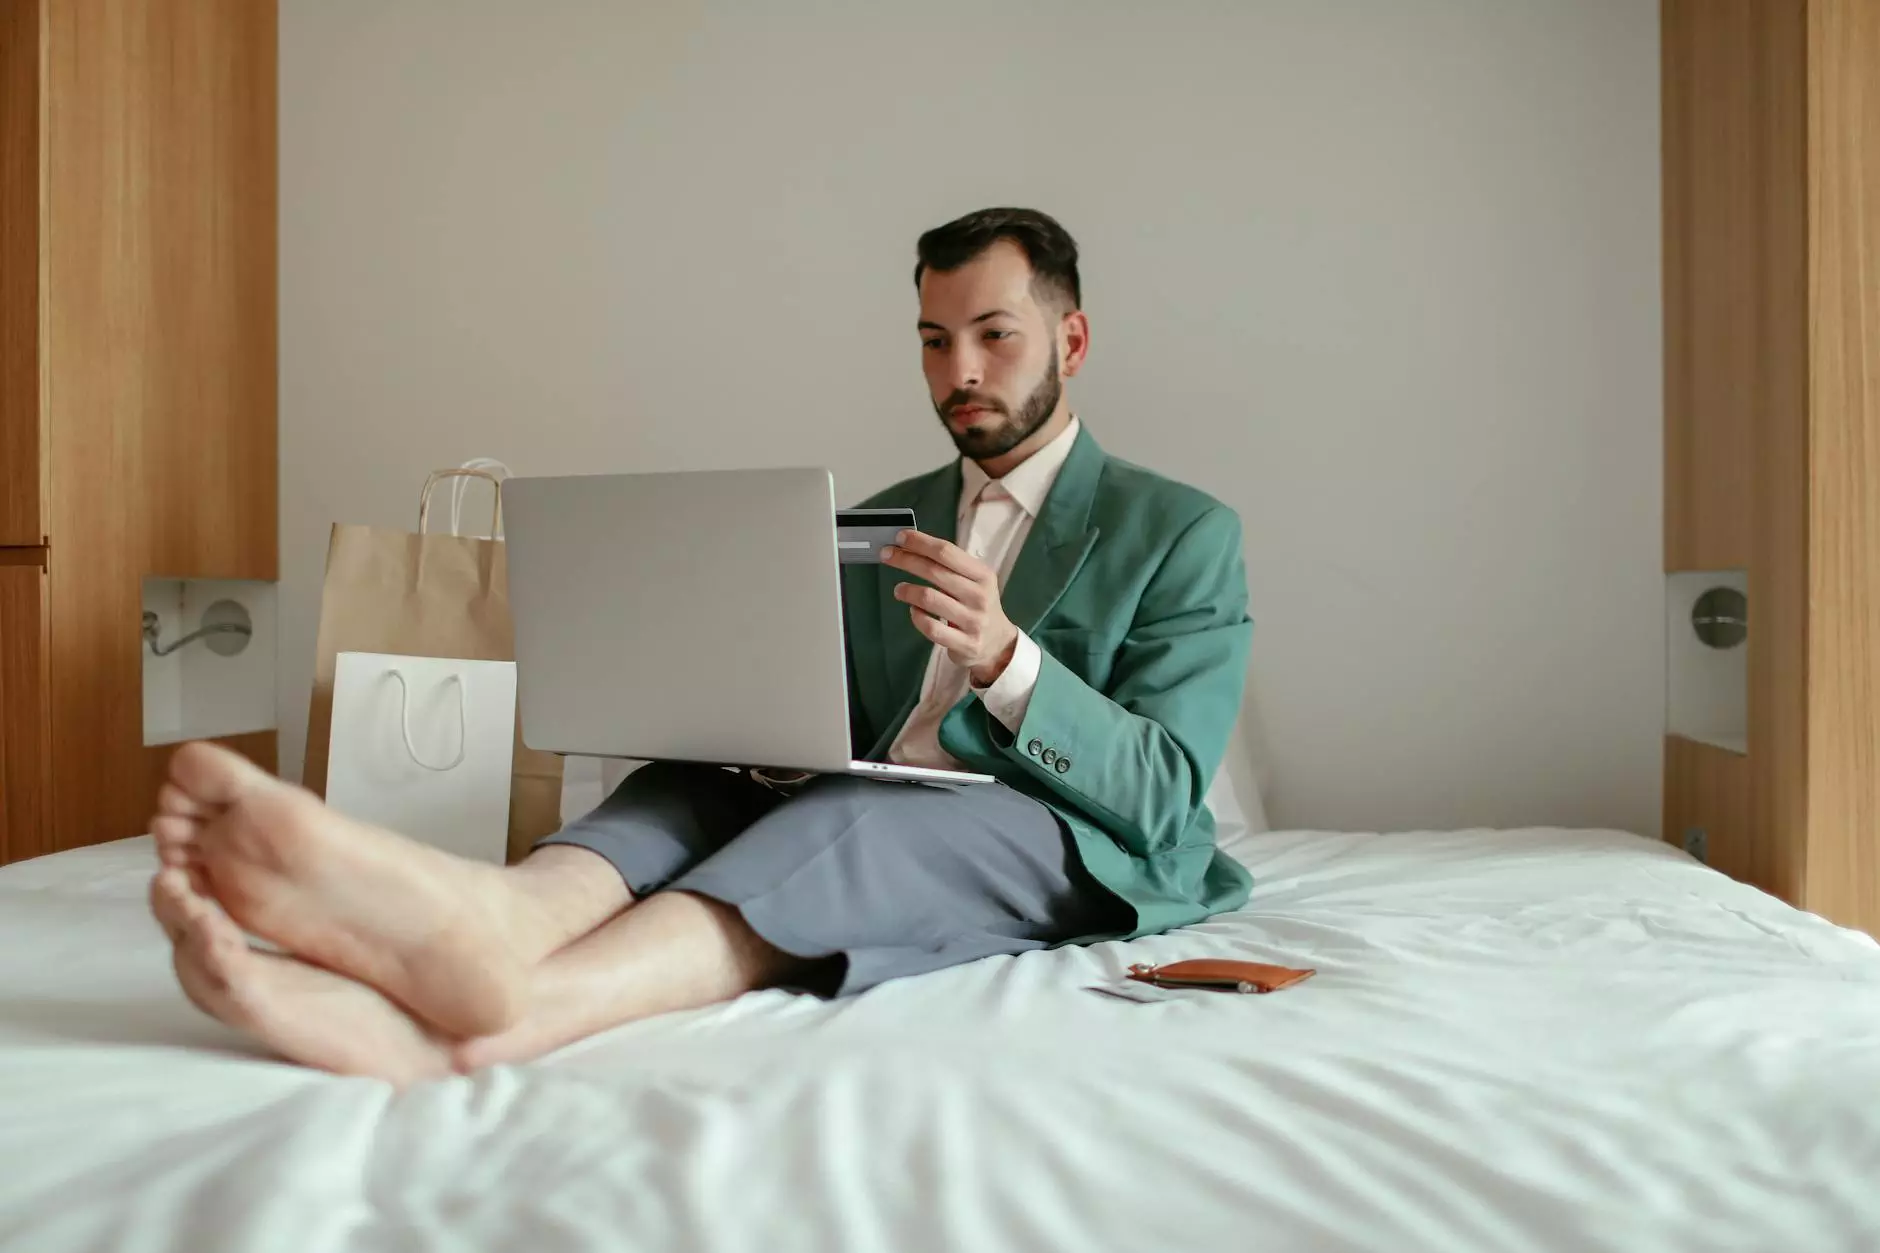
[{"x": 995, "y": 517}]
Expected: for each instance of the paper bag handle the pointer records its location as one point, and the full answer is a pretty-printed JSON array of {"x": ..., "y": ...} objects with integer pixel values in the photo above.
[
  {"x": 463, "y": 722},
  {"x": 457, "y": 487},
  {"x": 424, "y": 497}
]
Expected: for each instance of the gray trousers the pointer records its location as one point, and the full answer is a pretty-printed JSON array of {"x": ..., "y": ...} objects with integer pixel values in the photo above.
[{"x": 871, "y": 879}]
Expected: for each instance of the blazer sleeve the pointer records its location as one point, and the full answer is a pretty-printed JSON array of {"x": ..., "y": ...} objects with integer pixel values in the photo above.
[{"x": 1139, "y": 757}]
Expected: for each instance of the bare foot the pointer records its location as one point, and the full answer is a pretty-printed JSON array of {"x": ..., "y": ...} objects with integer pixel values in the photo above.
[
  {"x": 433, "y": 932},
  {"x": 306, "y": 1014}
]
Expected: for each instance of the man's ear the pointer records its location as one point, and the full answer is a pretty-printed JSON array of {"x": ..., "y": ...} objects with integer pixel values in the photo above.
[{"x": 1073, "y": 342}]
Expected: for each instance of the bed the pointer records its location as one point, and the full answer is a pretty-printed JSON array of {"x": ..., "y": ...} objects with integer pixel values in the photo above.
[{"x": 1536, "y": 1039}]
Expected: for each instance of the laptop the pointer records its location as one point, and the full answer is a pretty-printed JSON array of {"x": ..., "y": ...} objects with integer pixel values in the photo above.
[{"x": 691, "y": 616}]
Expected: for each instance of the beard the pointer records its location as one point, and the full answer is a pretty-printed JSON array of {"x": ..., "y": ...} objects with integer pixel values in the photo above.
[{"x": 1014, "y": 427}]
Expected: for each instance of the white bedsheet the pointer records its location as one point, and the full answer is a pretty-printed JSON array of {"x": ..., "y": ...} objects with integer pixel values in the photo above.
[{"x": 1528, "y": 1040}]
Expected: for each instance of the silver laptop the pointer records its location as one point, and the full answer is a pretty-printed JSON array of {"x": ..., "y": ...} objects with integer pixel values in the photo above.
[{"x": 684, "y": 617}]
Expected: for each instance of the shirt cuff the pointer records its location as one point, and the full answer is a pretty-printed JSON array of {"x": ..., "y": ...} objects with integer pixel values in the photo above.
[{"x": 1010, "y": 694}]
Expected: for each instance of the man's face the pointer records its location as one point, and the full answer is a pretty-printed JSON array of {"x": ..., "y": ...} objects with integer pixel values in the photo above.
[{"x": 990, "y": 351}]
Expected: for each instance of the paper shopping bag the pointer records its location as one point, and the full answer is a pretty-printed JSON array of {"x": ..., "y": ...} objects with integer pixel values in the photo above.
[
  {"x": 424, "y": 595},
  {"x": 423, "y": 746}
]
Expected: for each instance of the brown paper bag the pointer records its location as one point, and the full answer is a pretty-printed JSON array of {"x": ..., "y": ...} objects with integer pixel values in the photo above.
[{"x": 424, "y": 595}]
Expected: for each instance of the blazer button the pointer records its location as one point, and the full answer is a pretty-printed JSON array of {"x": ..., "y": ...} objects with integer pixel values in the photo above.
[
  {"x": 1049, "y": 756},
  {"x": 1035, "y": 747},
  {"x": 1063, "y": 764}
]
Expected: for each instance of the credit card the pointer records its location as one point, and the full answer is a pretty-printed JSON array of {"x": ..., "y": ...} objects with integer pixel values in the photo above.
[{"x": 861, "y": 534}]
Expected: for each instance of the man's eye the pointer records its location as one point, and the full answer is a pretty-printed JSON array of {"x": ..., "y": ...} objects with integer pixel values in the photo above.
[
  {"x": 930, "y": 343},
  {"x": 998, "y": 334}
]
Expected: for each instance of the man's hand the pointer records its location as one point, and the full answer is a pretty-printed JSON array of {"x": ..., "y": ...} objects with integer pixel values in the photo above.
[{"x": 961, "y": 611}]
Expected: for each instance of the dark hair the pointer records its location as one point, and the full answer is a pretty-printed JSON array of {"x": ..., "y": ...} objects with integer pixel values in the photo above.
[{"x": 1048, "y": 246}]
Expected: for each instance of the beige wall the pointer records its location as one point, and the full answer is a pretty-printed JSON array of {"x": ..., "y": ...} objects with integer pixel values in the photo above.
[{"x": 1383, "y": 276}]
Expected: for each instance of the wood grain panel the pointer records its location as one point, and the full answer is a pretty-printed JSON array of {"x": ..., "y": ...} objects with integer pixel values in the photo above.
[
  {"x": 100, "y": 326},
  {"x": 22, "y": 463},
  {"x": 160, "y": 351},
  {"x": 1709, "y": 788},
  {"x": 1778, "y": 574},
  {"x": 1843, "y": 873},
  {"x": 1736, "y": 400},
  {"x": 25, "y": 746},
  {"x": 204, "y": 72},
  {"x": 1725, "y": 65}
]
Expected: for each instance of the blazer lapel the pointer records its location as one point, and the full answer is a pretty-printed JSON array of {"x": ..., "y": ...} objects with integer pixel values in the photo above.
[
  {"x": 1061, "y": 539},
  {"x": 1059, "y": 543}
]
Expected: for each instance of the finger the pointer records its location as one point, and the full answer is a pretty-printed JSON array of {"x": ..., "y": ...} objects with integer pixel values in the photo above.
[
  {"x": 951, "y": 581},
  {"x": 935, "y": 602},
  {"x": 945, "y": 552},
  {"x": 951, "y": 638}
]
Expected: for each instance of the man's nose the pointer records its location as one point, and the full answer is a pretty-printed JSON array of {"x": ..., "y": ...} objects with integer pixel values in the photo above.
[{"x": 968, "y": 367}]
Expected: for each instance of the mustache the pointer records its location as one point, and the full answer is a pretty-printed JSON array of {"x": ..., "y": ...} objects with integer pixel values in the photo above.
[{"x": 959, "y": 399}]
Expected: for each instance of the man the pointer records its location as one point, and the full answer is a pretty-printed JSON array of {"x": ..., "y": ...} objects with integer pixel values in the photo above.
[{"x": 1071, "y": 624}]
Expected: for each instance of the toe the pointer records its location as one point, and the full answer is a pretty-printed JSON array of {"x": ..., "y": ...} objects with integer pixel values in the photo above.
[
  {"x": 224, "y": 936},
  {"x": 196, "y": 909},
  {"x": 178, "y": 898},
  {"x": 167, "y": 896},
  {"x": 466, "y": 1056},
  {"x": 174, "y": 836},
  {"x": 173, "y": 800},
  {"x": 216, "y": 944},
  {"x": 212, "y": 776},
  {"x": 201, "y": 971}
]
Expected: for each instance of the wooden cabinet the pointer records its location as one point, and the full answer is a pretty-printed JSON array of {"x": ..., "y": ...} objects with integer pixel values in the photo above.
[
  {"x": 137, "y": 373},
  {"x": 1772, "y": 425}
]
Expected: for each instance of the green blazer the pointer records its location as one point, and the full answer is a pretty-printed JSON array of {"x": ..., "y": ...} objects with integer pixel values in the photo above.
[{"x": 1134, "y": 589}]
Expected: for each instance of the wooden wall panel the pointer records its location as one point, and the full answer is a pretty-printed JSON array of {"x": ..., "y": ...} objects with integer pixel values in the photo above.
[
  {"x": 1843, "y": 877},
  {"x": 160, "y": 352},
  {"x": 1728, "y": 137},
  {"x": 1778, "y": 563},
  {"x": 1772, "y": 202},
  {"x": 25, "y": 748},
  {"x": 1710, "y": 787},
  {"x": 1736, "y": 400},
  {"x": 22, "y": 464},
  {"x": 210, "y": 436},
  {"x": 100, "y": 328}
]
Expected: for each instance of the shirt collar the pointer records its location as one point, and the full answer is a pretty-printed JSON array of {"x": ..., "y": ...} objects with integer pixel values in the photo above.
[{"x": 1030, "y": 481}]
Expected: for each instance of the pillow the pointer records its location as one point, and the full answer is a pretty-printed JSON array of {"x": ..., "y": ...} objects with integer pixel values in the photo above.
[{"x": 1234, "y": 796}]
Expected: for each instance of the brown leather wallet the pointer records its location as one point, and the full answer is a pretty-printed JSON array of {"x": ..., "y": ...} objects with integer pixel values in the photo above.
[{"x": 1220, "y": 974}]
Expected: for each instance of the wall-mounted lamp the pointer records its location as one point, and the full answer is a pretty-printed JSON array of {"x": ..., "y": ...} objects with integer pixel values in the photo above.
[
  {"x": 1721, "y": 617},
  {"x": 225, "y": 631}
]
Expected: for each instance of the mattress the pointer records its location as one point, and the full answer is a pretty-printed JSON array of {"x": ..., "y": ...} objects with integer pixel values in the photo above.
[{"x": 1542, "y": 1039}]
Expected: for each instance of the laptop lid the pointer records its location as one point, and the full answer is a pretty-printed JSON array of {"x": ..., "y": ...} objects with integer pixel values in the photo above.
[{"x": 691, "y": 616}]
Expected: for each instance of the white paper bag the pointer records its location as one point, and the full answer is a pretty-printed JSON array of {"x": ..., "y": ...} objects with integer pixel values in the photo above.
[{"x": 423, "y": 746}]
